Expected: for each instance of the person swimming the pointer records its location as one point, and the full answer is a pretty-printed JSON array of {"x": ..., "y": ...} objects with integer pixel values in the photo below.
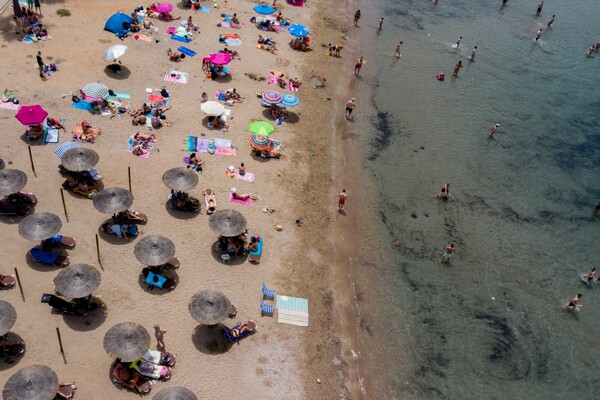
[{"x": 574, "y": 303}]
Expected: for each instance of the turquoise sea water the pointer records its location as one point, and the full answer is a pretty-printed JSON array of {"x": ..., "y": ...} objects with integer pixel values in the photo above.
[{"x": 490, "y": 325}]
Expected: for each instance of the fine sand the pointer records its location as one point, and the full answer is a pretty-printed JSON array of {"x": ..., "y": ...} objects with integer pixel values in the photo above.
[{"x": 280, "y": 361}]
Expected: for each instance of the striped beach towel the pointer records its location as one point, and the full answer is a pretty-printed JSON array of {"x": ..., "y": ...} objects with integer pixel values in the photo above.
[
  {"x": 292, "y": 88},
  {"x": 62, "y": 149}
]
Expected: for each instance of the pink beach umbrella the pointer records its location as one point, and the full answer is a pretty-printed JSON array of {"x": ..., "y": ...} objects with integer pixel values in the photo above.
[
  {"x": 31, "y": 115},
  {"x": 219, "y": 59},
  {"x": 164, "y": 8}
]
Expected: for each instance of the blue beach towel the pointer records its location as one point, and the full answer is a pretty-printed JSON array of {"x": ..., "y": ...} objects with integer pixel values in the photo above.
[
  {"x": 187, "y": 52},
  {"x": 179, "y": 39},
  {"x": 123, "y": 96},
  {"x": 83, "y": 105},
  {"x": 205, "y": 9}
]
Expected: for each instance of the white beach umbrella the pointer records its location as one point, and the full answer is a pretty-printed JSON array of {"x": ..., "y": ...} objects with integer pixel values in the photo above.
[
  {"x": 212, "y": 108},
  {"x": 114, "y": 52}
]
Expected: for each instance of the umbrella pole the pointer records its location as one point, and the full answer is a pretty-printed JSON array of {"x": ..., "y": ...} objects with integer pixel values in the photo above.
[
  {"x": 62, "y": 195},
  {"x": 31, "y": 159},
  {"x": 98, "y": 251},
  {"x": 19, "y": 282},
  {"x": 129, "y": 176},
  {"x": 62, "y": 350}
]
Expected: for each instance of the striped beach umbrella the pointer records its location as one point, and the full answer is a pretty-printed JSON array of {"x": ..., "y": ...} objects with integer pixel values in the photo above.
[
  {"x": 96, "y": 90},
  {"x": 271, "y": 96},
  {"x": 62, "y": 149},
  {"x": 289, "y": 100},
  {"x": 260, "y": 142}
]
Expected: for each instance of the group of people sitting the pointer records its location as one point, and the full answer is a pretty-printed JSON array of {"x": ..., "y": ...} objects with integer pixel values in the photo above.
[
  {"x": 263, "y": 24},
  {"x": 277, "y": 112},
  {"x": 238, "y": 245},
  {"x": 142, "y": 142},
  {"x": 156, "y": 112},
  {"x": 152, "y": 12},
  {"x": 80, "y": 182},
  {"x": 266, "y": 44},
  {"x": 29, "y": 24},
  {"x": 301, "y": 43},
  {"x": 217, "y": 122},
  {"x": 192, "y": 4},
  {"x": 34, "y": 132}
]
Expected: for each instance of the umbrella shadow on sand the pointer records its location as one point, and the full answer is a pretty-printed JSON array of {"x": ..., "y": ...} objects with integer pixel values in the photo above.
[
  {"x": 235, "y": 261},
  {"x": 291, "y": 117},
  {"x": 209, "y": 339},
  {"x": 119, "y": 74},
  {"x": 114, "y": 239},
  {"x": 92, "y": 320},
  {"x": 12, "y": 361}
]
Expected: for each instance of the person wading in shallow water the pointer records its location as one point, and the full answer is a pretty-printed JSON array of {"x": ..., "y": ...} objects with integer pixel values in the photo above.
[{"x": 448, "y": 251}]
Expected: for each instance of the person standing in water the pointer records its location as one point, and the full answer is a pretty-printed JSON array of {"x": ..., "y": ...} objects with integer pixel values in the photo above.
[
  {"x": 551, "y": 21},
  {"x": 538, "y": 36},
  {"x": 445, "y": 192},
  {"x": 493, "y": 130},
  {"x": 539, "y": 8},
  {"x": 596, "y": 212},
  {"x": 504, "y": 2},
  {"x": 458, "y": 41},
  {"x": 350, "y": 106},
  {"x": 358, "y": 65},
  {"x": 457, "y": 67},
  {"x": 472, "y": 57},
  {"x": 574, "y": 304},
  {"x": 380, "y": 24},
  {"x": 448, "y": 251},
  {"x": 356, "y": 17},
  {"x": 397, "y": 52},
  {"x": 590, "y": 275}
]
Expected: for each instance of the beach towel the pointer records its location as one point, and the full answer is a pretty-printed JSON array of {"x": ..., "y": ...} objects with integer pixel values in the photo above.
[
  {"x": 144, "y": 38},
  {"x": 171, "y": 30},
  {"x": 181, "y": 77},
  {"x": 205, "y": 10},
  {"x": 233, "y": 42},
  {"x": 119, "y": 95},
  {"x": 10, "y": 106},
  {"x": 179, "y": 39},
  {"x": 83, "y": 105},
  {"x": 225, "y": 24},
  {"x": 146, "y": 152},
  {"x": 153, "y": 98},
  {"x": 221, "y": 142},
  {"x": 225, "y": 151},
  {"x": 292, "y": 88},
  {"x": 238, "y": 201},
  {"x": 186, "y": 51},
  {"x": 50, "y": 135},
  {"x": 248, "y": 176},
  {"x": 296, "y": 3},
  {"x": 61, "y": 149}
]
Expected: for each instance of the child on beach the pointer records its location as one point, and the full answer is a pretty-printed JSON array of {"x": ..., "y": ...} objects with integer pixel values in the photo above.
[
  {"x": 448, "y": 251},
  {"x": 342, "y": 200}
]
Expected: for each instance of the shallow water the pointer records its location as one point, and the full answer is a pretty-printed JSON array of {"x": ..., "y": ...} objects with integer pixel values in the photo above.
[{"x": 489, "y": 325}]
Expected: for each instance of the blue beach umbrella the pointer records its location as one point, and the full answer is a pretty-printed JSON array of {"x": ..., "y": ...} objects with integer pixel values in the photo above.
[
  {"x": 289, "y": 100},
  {"x": 264, "y": 9},
  {"x": 298, "y": 30}
]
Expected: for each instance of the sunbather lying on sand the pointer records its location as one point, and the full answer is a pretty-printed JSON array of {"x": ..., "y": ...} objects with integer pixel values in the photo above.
[
  {"x": 239, "y": 196},
  {"x": 264, "y": 40},
  {"x": 54, "y": 123},
  {"x": 249, "y": 326},
  {"x": 175, "y": 56},
  {"x": 150, "y": 137},
  {"x": 232, "y": 94},
  {"x": 266, "y": 47},
  {"x": 232, "y": 53}
]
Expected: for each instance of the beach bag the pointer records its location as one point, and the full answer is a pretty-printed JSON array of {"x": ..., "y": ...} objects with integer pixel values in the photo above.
[
  {"x": 75, "y": 99},
  {"x": 53, "y": 67}
]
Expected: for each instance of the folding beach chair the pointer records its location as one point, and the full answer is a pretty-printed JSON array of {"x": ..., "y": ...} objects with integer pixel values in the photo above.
[
  {"x": 268, "y": 294},
  {"x": 265, "y": 309}
]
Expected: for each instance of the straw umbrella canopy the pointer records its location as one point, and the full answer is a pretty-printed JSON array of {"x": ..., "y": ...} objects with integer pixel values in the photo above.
[
  {"x": 40, "y": 226},
  {"x": 209, "y": 308},
  {"x": 113, "y": 200},
  {"x": 77, "y": 280},
  {"x": 8, "y": 316},
  {"x": 95, "y": 90},
  {"x": 36, "y": 382},
  {"x": 180, "y": 179},
  {"x": 127, "y": 341},
  {"x": 154, "y": 250},
  {"x": 228, "y": 223},
  {"x": 11, "y": 181},
  {"x": 79, "y": 159},
  {"x": 175, "y": 393}
]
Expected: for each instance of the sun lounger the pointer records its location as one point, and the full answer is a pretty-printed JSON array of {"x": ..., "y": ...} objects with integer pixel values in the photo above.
[
  {"x": 160, "y": 358},
  {"x": 267, "y": 293},
  {"x": 254, "y": 256},
  {"x": 234, "y": 334},
  {"x": 154, "y": 371},
  {"x": 62, "y": 306},
  {"x": 62, "y": 241},
  {"x": 7, "y": 281},
  {"x": 265, "y": 309},
  {"x": 18, "y": 210},
  {"x": 49, "y": 258},
  {"x": 174, "y": 263},
  {"x": 130, "y": 379},
  {"x": 65, "y": 391},
  {"x": 210, "y": 201}
]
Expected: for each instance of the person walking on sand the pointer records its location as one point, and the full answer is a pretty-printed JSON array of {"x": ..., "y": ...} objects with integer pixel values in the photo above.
[
  {"x": 538, "y": 35},
  {"x": 358, "y": 65},
  {"x": 40, "y": 62},
  {"x": 596, "y": 211},
  {"x": 457, "y": 68},
  {"x": 397, "y": 52},
  {"x": 551, "y": 21},
  {"x": 356, "y": 17},
  {"x": 38, "y": 7},
  {"x": 380, "y": 24},
  {"x": 448, "y": 251},
  {"x": 350, "y": 106},
  {"x": 472, "y": 56},
  {"x": 539, "y": 8},
  {"x": 342, "y": 200},
  {"x": 159, "y": 334},
  {"x": 493, "y": 130},
  {"x": 458, "y": 41}
]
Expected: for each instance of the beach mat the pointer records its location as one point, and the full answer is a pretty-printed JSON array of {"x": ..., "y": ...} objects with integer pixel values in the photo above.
[
  {"x": 144, "y": 38},
  {"x": 205, "y": 10},
  {"x": 171, "y": 30},
  {"x": 246, "y": 202},
  {"x": 83, "y": 105},
  {"x": 248, "y": 176},
  {"x": 51, "y": 135},
  {"x": 179, "y": 39},
  {"x": 119, "y": 95},
  {"x": 233, "y": 42},
  {"x": 153, "y": 98},
  {"x": 182, "y": 79},
  {"x": 186, "y": 51},
  {"x": 10, "y": 106}
]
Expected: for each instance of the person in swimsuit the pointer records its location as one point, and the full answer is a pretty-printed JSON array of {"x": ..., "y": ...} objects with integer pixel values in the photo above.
[
  {"x": 445, "y": 192},
  {"x": 574, "y": 304},
  {"x": 356, "y": 17},
  {"x": 590, "y": 275},
  {"x": 350, "y": 106},
  {"x": 448, "y": 251},
  {"x": 242, "y": 169},
  {"x": 493, "y": 130},
  {"x": 457, "y": 68},
  {"x": 551, "y": 21},
  {"x": 458, "y": 41},
  {"x": 538, "y": 35},
  {"x": 539, "y": 8},
  {"x": 596, "y": 211},
  {"x": 380, "y": 24},
  {"x": 397, "y": 52},
  {"x": 472, "y": 57},
  {"x": 358, "y": 65},
  {"x": 159, "y": 334},
  {"x": 342, "y": 200}
]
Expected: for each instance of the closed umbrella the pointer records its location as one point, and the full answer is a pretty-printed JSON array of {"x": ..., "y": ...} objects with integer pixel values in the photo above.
[
  {"x": 95, "y": 90},
  {"x": 209, "y": 307},
  {"x": 260, "y": 142},
  {"x": 79, "y": 159},
  {"x": 154, "y": 250},
  {"x": 264, "y": 9},
  {"x": 227, "y": 223},
  {"x": 261, "y": 128},
  {"x": 77, "y": 280},
  {"x": 175, "y": 393},
  {"x": 289, "y": 100},
  {"x": 40, "y": 226},
  {"x": 298, "y": 30},
  {"x": 212, "y": 108},
  {"x": 164, "y": 7},
  {"x": 271, "y": 96},
  {"x": 11, "y": 181},
  {"x": 219, "y": 59},
  {"x": 113, "y": 200},
  {"x": 8, "y": 316},
  {"x": 31, "y": 115},
  {"x": 114, "y": 52},
  {"x": 180, "y": 179},
  {"x": 36, "y": 382},
  {"x": 127, "y": 341}
]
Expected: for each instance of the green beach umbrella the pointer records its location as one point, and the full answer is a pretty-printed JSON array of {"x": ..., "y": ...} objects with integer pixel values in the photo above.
[{"x": 261, "y": 128}]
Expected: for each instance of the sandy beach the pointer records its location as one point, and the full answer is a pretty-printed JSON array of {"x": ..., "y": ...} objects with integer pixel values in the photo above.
[{"x": 279, "y": 361}]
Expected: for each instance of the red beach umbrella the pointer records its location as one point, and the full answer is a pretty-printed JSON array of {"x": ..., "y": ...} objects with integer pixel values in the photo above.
[
  {"x": 219, "y": 59},
  {"x": 31, "y": 115}
]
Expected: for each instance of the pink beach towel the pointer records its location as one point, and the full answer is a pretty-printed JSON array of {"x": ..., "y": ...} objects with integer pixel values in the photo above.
[
  {"x": 225, "y": 151},
  {"x": 248, "y": 176},
  {"x": 225, "y": 24},
  {"x": 10, "y": 106},
  {"x": 272, "y": 79},
  {"x": 292, "y": 88},
  {"x": 238, "y": 201},
  {"x": 171, "y": 30}
]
